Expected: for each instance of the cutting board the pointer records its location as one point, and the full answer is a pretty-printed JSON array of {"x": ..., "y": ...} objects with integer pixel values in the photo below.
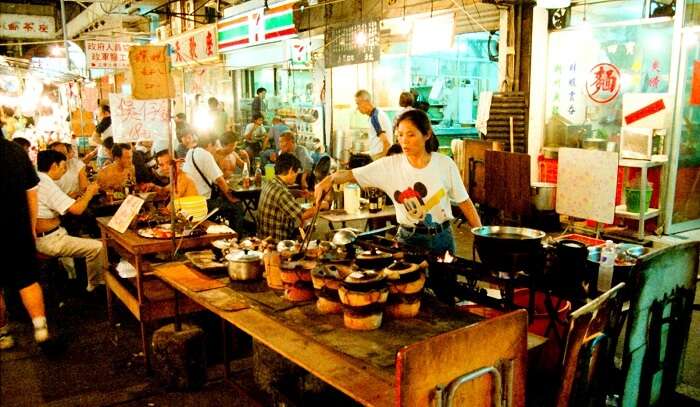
[
  {"x": 507, "y": 182},
  {"x": 474, "y": 180},
  {"x": 190, "y": 278}
]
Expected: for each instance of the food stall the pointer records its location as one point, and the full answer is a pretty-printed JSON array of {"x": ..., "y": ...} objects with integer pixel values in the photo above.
[{"x": 420, "y": 54}]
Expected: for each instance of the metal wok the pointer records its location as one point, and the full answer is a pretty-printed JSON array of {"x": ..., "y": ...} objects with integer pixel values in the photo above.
[{"x": 506, "y": 248}]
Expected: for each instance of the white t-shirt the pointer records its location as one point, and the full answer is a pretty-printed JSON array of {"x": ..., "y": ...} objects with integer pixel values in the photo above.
[
  {"x": 375, "y": 144},
  {"x": 420, "y": 195},
  {"x": 52, "y": 201},
  {"x": 70, "y": 181},
  {"x": 207, "y": 165}
]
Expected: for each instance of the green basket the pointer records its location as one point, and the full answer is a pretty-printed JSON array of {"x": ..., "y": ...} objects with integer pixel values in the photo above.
[{"x": 632, "y": 198}]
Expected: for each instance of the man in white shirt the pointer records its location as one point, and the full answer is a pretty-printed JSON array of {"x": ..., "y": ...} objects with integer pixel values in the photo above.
[
  {"x": 75, "y": 180},
  {"x": 202, "y": 168},
  {"x": 380, "y": 137},
  {"x": 52, "y": 238}
]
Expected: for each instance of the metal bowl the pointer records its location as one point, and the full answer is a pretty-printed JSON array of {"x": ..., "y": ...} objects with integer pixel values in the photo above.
[
  {"x": 637, "y": 252},
  {"x": 344, "y": 237}
]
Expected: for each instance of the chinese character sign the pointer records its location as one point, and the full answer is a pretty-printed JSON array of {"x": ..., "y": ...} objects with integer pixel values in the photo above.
[
  {"x": 107, "y": 54},
  {"x": 150, "y": 70},
  {"x": 194, "y": 47},
  {"x": 603, "y": 83},
  {"x": 26, "y": 26},
  {"x": 134, "y": 120}
]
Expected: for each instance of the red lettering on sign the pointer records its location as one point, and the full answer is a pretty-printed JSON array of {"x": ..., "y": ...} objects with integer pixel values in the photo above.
[
  {"x": 193, "y": 47},
  {"x": 43, "y": 28},
  {"x": 210, "y": 44},
  {"x": 28, "y": 26}
]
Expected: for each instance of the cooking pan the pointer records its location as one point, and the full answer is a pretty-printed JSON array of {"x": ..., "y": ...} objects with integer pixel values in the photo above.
[{"x": 506, "y": 248}]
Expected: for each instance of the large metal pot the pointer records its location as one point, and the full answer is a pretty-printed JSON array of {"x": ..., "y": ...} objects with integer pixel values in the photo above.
[
  {"x": 543, "y": 195},
  {"x": 506, "y": 248},
  {"x": 244, "y": 265}
]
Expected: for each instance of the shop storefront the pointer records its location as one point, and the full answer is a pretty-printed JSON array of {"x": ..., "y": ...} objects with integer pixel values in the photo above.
[
  {"x": 199, "y": 74},
  {"x": 612, "y": 77},
  {"x": 262, "y": 48},
  {"x": 440, "y": 61}
]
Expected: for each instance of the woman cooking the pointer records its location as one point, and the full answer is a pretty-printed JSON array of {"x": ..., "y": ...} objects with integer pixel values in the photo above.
[{"x": 421, "y": 182}]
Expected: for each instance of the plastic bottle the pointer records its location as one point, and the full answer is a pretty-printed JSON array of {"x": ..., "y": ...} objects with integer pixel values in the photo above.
[
  {"x": 245, "y": 177},
  {"x": 607, "y": 266}
]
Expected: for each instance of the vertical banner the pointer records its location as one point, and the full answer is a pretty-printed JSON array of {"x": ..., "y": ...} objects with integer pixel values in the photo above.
[
  {"x": 134, "y": 120},
  {"x": 150, "y": 70},
  {"x": 695, "y": 85}
]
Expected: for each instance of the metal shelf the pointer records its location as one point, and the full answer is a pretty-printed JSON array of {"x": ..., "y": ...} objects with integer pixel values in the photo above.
[
  {"x": 621, "y": 211},
  {"x": 626, "y": 162}
]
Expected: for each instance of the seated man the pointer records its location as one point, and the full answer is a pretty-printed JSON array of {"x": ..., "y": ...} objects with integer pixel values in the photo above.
[
  {"x": 227, "y": 157},
  {"x": 75, "y": 179},
  {"x": 255, "y": 136},
  {"x": 288, "y": 145},
  {"x": 144, "y": 163},
  {"x": 184, "y": 186},
  {"x": 201, "y": 166},
  {"x": 279, "y": 215},
  {"x": 114, "y": 176},
  {"x": 52, "y": 239}
]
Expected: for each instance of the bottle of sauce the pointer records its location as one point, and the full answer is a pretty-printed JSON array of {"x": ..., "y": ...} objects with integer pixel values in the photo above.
[
  {"x": 258, "y": 176},
  {"x": 245, "y": 177}
]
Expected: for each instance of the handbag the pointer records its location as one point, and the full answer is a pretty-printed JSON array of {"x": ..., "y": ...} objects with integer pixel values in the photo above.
[{"x": 215, "y": 190}]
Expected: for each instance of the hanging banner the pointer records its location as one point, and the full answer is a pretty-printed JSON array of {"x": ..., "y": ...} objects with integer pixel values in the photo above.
[
  {"x": 257, "y": 26},
  {"x": 150, "y": 70},
  {"x": 107, "y": 54},
  {"x": 89, "y": 99},
  {"x": 27, "y": 26},
  {"x": 194, "y": 47},
  {"x": 134, "y": 120}
]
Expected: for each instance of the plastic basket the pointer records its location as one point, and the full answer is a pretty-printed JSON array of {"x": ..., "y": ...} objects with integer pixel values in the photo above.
[{"x": 632, "y": 199}]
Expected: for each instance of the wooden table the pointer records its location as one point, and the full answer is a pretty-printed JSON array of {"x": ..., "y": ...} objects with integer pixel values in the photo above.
[
  {"x": 374, "y": 220},
  {"x": 321, "y": 345},
  {"x": 147, "y": 298}
]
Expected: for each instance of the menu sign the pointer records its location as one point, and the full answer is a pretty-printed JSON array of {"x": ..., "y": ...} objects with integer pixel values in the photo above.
[
  {"x": 126, "y": 213},
  {"x": 107, "y": 54},
  {"x": 150, "y": 70},
  {"x": 26, "y": 26},
  {"x": 352, "y": 44},
  {"x": 134, "y": 120}
]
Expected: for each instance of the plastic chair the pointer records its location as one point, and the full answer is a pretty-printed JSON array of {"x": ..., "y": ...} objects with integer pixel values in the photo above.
[{"x": 662, "y": 289}]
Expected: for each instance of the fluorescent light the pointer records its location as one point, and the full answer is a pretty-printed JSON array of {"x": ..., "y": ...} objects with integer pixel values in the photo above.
[{"x": 433, "y": 34}]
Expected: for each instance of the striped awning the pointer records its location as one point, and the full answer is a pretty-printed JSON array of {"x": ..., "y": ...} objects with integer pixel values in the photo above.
[{"x": 257, "y": 26}]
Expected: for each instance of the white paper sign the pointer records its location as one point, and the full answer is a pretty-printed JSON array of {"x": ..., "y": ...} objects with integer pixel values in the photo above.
[
  {"x": 134, "y": 120},
  {"x": 125, "y": 214},
  {"x": 586, "y": 184},
  {"x": 194, "y": 47},
  {"x": 107, "y": 54},
  {"x": 26, "y": 26},
  {"x": 646, "y": 110}
]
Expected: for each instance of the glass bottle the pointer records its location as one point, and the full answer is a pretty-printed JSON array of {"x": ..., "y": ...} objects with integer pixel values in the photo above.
[
  {"x": 245, "y": 177},
  {"x": 258, "y": 175}
]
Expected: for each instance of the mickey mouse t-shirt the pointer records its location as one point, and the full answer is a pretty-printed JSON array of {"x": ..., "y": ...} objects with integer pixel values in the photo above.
[{"x": 420, "y": 195}]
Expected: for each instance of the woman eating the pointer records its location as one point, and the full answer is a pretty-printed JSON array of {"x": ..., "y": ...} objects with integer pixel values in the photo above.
[{"x": 421, "y": 182}]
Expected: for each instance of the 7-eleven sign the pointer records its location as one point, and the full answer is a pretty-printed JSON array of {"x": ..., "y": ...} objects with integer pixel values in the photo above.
[
  {"x": 299, "y": 51},
  {"x": 256, "y": 24}
]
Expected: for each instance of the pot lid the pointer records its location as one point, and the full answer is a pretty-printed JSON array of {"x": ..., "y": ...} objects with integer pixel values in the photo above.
[
  {"x": 364, "y": 277},
  {"x": 402, "y": 267},
  {"x": 373, "y": 254},
  {"x": 244, "y": 255}
]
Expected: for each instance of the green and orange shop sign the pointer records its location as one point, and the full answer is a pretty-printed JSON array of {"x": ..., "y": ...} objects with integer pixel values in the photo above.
[{"x": 257, "y": 26}]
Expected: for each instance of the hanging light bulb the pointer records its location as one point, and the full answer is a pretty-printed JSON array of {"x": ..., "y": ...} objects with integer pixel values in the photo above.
[{"x": 361, "y": 39}]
